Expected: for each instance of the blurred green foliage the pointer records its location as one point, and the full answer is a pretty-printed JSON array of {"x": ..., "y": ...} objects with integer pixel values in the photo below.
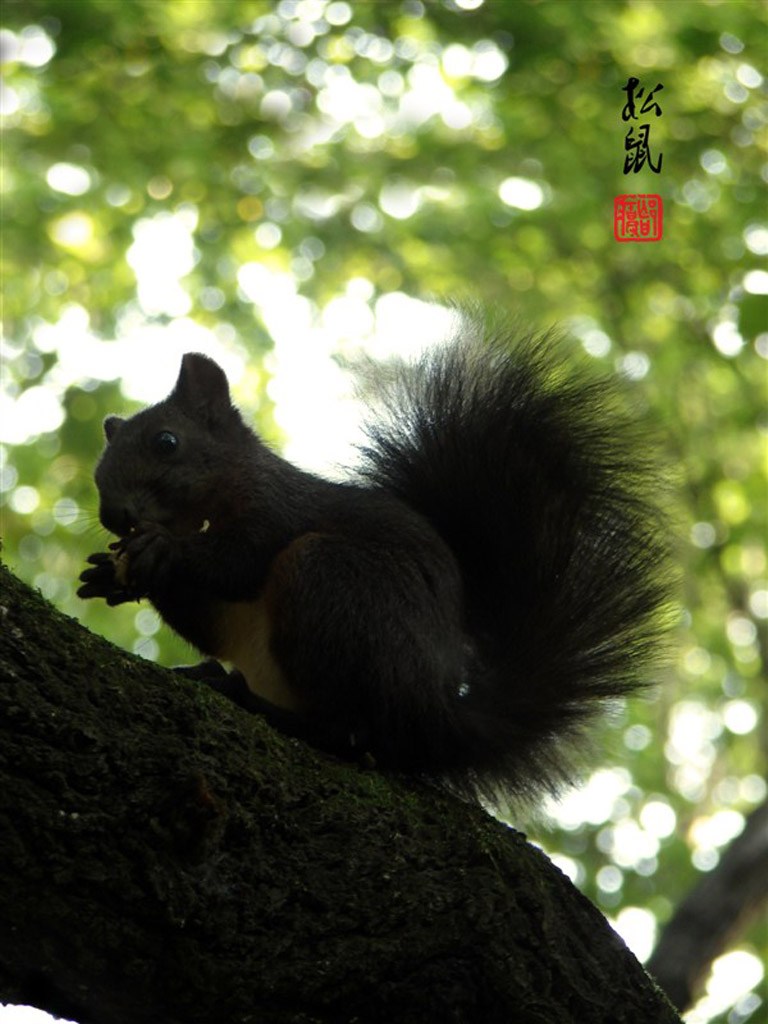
[{"x": 369, "y": 141}]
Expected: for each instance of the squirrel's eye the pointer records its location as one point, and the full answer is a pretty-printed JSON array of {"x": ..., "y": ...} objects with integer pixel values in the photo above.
[{"x": 165, "y": 443}]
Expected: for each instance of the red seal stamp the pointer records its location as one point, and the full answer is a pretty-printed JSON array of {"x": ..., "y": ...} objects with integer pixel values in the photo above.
[{"x": 637, "y": 218}]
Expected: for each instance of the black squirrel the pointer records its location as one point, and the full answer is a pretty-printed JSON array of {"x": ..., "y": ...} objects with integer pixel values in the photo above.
[{"x": 492, "y": 575}]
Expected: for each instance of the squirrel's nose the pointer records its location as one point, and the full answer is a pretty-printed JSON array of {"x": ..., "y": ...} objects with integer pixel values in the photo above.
[{"x": 119, "y": 519}]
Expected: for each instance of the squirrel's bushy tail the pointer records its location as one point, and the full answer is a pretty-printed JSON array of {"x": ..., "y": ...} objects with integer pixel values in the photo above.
[{"x": 544, "y": 489}]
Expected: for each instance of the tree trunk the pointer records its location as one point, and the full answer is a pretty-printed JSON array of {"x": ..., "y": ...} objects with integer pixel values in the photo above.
[{"x": 166, "y": 857}]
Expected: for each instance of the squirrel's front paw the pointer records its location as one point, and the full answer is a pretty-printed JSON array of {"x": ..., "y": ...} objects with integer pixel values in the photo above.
[
  {"x": 132, "y": 568},
  {"x": 148, "y": 553},
  {"x": 106, "y": 578}
]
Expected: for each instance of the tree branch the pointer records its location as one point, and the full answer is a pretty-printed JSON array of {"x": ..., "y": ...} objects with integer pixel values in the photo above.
[
  {"x": 166, "y": 857},
  {"x": 720, "y": 905}
]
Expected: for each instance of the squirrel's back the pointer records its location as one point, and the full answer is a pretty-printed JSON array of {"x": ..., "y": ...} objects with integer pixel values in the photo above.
[{"x": 541, "y": 485}]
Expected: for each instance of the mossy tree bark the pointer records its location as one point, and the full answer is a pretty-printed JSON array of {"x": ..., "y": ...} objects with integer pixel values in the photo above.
[{"x": 166, "y": 857}]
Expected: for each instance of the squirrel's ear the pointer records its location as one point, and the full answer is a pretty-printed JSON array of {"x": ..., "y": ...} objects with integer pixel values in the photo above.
[
  {"x": 111, "y": 426},
  {"x": 202, "y": 388}
]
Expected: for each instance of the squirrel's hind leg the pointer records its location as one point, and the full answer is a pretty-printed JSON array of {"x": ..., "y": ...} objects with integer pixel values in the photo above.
[{"x": 303, "y": 726}]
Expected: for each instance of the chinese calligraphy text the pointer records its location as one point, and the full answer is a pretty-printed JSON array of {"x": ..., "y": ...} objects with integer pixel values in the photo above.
[{"x": 637, "y": 146}]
